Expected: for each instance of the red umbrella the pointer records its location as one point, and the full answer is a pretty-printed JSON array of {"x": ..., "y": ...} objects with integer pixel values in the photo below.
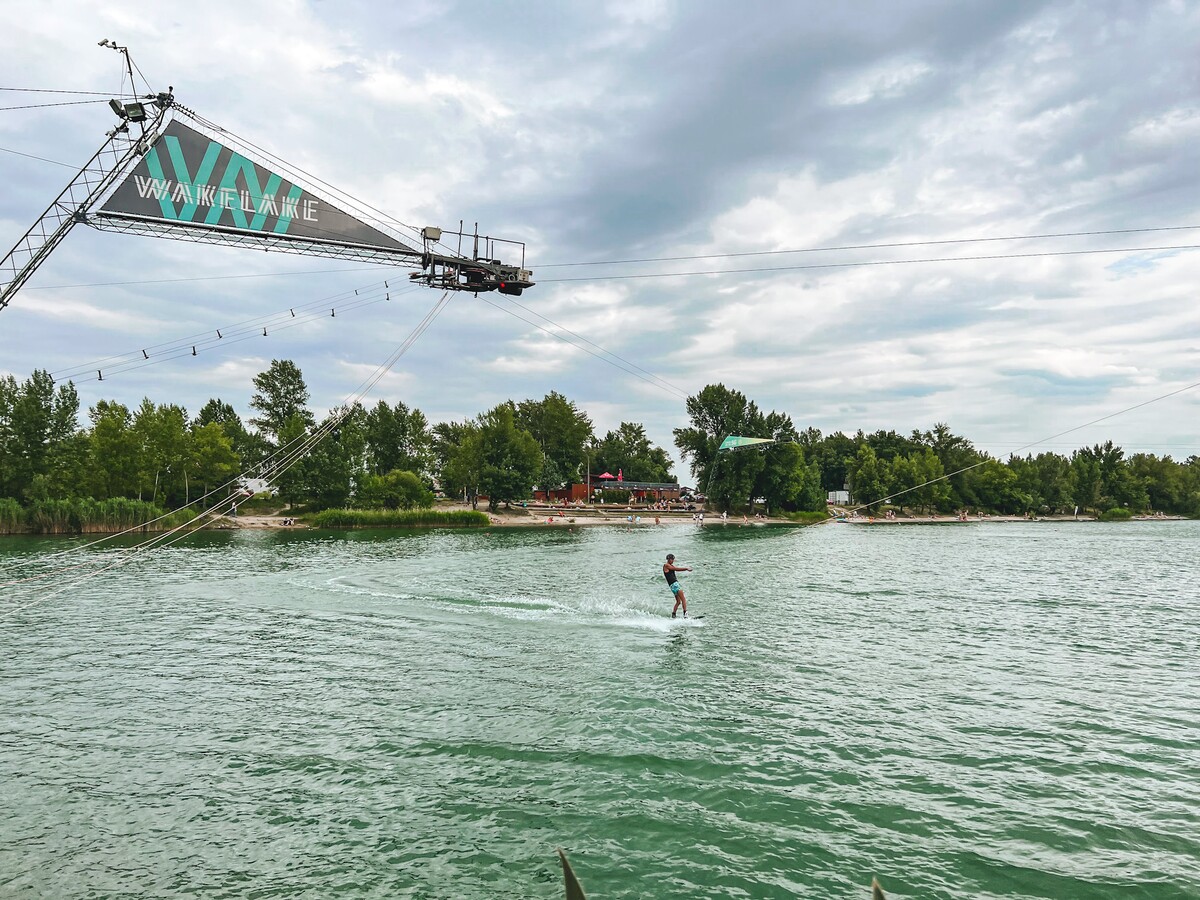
[{"x": 607, "y": 475}]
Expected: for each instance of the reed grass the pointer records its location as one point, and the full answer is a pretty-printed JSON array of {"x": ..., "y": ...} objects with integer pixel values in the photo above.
[
  {"x": 805, "y": 517},
  {"x": 399, "y": 518},
  {"x": 12, "y": 517},
  {"x": 83, "y": 515}
]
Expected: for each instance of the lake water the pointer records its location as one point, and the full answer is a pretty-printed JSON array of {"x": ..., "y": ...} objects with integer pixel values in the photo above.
[{"x": 989, "y": 710}]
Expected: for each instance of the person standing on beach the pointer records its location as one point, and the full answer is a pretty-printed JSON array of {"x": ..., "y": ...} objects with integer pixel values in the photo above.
[{"x": 669, "y": 570}]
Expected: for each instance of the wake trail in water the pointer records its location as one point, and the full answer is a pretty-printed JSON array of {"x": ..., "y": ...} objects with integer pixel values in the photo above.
[{"x": 619, "y": 611}]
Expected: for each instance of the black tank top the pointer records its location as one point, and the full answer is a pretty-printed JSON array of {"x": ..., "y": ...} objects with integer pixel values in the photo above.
[{"x": 669, "y": 574}]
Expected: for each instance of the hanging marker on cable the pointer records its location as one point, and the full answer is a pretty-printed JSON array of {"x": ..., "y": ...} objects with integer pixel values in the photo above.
[
  {"x": 218, "y": 334},
  {"x": 293, "y": 312},
  {"x": 385, "y": 284},
  {"x": 388, "y": 296},
  {"x": 356, "y": 292},
  {"x": 99, "y": 375},
  {"x": 264, "y": 332},
  {"x": 193, "y": 351},
  {"x": 333, "y": 313},
  {"x": 145, "y": 355}
]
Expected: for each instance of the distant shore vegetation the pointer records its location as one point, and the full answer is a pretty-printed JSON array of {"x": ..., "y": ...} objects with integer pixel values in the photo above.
[
  {"x": 399, "y": 518},
  {"x": 117, "y": 467},
  {"x": 83, "y": 515}
]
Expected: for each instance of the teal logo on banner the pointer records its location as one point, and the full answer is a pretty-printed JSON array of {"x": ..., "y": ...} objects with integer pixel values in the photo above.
[{"x": 187, "y": 178}]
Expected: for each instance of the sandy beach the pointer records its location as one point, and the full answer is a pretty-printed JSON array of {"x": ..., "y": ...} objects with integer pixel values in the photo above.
[
  {"x": 535, "y": 516},
  {"x": 558, "y": 517}
]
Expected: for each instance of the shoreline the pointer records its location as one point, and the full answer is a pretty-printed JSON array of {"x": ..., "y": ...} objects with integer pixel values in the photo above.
[{"x": 591, "y": 517}]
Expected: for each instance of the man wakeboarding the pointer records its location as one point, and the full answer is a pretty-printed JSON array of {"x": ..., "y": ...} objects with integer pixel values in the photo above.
[{"x": 669, "y": 570}]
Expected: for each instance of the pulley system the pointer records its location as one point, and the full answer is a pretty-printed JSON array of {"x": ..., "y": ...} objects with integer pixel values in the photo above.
[{"x": 165, "y": 171}]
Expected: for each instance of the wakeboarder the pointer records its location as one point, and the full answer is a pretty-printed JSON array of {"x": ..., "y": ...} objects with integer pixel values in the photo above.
[{"x": 669, "y": 570}]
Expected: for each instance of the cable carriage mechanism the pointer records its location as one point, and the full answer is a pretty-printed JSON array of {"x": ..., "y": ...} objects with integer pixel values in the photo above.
[{"x": 178, "y": 175}]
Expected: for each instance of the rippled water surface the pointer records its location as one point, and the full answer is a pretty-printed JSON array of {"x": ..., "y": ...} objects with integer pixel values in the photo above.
[{"x": 990, "y": 710}]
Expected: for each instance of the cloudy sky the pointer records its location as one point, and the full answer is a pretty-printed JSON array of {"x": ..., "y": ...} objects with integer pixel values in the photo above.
[{"x": 614, "y": 131}]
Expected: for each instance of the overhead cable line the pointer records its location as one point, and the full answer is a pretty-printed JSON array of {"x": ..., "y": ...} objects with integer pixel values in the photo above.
[
  {"x": 631, "y": 261},
  {"x": 662, "y": 386},
  {"x": 288, "y": 458},
  {"x": 287, "y": 455},
  {"x": 49, "y": 91},
  {"x": 884, "y": 246},
  {"x": 253, "y": 334},
  {"x": 864, "y": 264},
  {"x": 39, "y": 158},
  {"x": 1052, "y": 437},
  {"x": 145, "y": 80},
  {"x": 63, "y": 287},
  {"x": 45, "y": 105},
  {"x": 191, "y": 345},
  {"x": 545, "y": 318}
]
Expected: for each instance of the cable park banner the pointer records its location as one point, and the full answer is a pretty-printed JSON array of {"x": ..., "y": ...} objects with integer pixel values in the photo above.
[{"x": 188, "y": 179}]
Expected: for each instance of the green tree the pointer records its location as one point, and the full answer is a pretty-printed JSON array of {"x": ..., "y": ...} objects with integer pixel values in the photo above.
[
  {"x": 395, "y": 490},
  {"x": 833, "y": 454},
  {"x": 888, "y": 445},
  {"x": 39, "y": 455},
  {"x": 446, "y": 439},
  {"x": 1044, "y": 481},
  {"x": 1160, "y": 479},
  {"x": 716, "y": 412},
  {"x": 933, "y": 491},
  {"x": 630, "y": 451},
  {"x": 787, "y": 481},
  {"x": 903, "y": 481},
  {"x": 511, "y": 458},
  {"x": 461, "y": 447},
  {"x": 212, "y": 461},
  {"x": 1054, "y": 474},
  {"x": 398, "y": 438},
  {"x": 286, "y": 470},
  {"x": 1116, "y": 486},
  {"x": 996, "y": 488},
  {"x": 956, "y": 455},
  {"x": 279, "y": 394},
  {"x": 869, "y": 476},
  {"x": 113, "y": 460},
  {"x": 1189, "y": 491},
  {"x": 336, "y": 462},
  {"x": 250, "y": 448},
  {"x": 1086, "y": 479},
  {"x": 561, "y": 429},
  {"x": 160, "y": 432}
]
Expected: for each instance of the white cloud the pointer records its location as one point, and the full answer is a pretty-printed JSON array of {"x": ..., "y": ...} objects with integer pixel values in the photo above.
[
  {"x": 1172, "y": 127},
  {"x": 890, "y": 80},
  {"x": 564, "y": 127}
]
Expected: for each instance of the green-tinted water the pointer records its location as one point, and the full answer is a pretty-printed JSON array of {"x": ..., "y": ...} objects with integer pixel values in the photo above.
[{"x": 966, "y": 711}]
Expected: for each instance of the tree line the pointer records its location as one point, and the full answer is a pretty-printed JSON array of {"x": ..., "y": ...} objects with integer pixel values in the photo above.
[
  {"x": 912, "y": 470},
  {"x": 391, "y": 457}
]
